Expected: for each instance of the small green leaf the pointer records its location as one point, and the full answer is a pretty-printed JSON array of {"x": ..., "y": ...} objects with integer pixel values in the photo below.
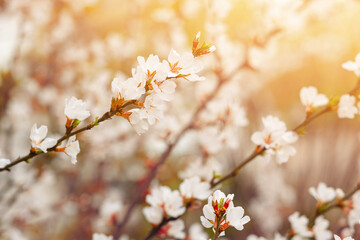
[{"x": 75, "y": 123}]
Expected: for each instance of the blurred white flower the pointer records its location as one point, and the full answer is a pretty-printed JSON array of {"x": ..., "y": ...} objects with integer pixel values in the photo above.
[
  {"x": 275, "y": 139},
  {"x": 320, "y": 229},
  {"x": 193, "y": 188},
  {"x": 3, "y": 161},
  {"x": 176, "y": 229},
  {"x": 346, "y": 106},
  {"x": 299, "y": 224},
  {"x": 76, "y": 109},
  {"x": 196, "y": 232},
  {"x": 323, "y": 193},
  {"x": 100, "y": 236},
  {"x": 311, "y": 98},
  {"x": 165, "y": 202},
  {"x": 138, "y": 120},
  {"x": 336, "y": 237},
  {"x": 39, "y": 140},
  {"x": 353, "y": 66},
  {"x": 254, "y": 237}
]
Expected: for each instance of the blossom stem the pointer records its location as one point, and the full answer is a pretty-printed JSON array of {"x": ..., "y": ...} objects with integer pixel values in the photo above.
[{"x": 217, "y": 229}]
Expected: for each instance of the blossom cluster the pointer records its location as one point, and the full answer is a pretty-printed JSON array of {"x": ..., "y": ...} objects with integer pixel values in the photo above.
[
  {"x": 275, "y": 139},
  {"x": 165, "y": 203},
  {"x": 152, "y": 84}
]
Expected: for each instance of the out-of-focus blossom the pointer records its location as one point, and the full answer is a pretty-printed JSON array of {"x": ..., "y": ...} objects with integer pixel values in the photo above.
[
  {"x": 175, "y": 229},
  {"x": 323, "y": 193},
  {"x": 353, "y": 66},
  {"x": 346, "y": 106},
  {"x": 5, "y": 161},
  {"x": 76, "y": 109},
  {"x": 138, "y": 120},
  {"x": 100, "y": 236},
  {"x": 299, "y": 224},
  {"x": 196, "y": 232},
  {"x": 336, "y": 237},
  {"x": 193, "y": 188},
  {"x": 205, "y": 169},
  {"x": 163, "y": 202},
  {"x": 310, "y": 98},
  {"x": 39, "y": 140},
  {"x": 254, "y": 237},
  {"x": 320, "y": 229},
  {"x": 275, "y": 139},
  {"x": 221, "y": 208}
]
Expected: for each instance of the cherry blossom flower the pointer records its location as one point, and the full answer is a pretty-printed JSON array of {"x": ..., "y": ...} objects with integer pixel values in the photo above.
[
  {"x": 320, "y": 229},
  {"x": 71, "y": 148},
  {"x": 132, "y": 88},
  {"x": 76, "y": 109},
  {"x": 138, "y": 120},
  {"x": 221, "y": 208},
  {"x": 323, "y": 194},
  {"x": 299, "y": 224},
  {"x": 39, "y": 140},
  {"x": 196, "y": 232},
  {"x": 275, "y": 139},
  {"x": 163, "y": 202},
  {"x": 310, "y": 98},
  {"x": 173, "y": 229},
  {"x": 186, "y": 66},
  {"x": 346, "y": 106},
  {"x": 336, "y": 237},
  {"x": 254, "y": 237},
  {"x": 100, "y": 236},
  {"x": 193, "y": 188},
  {"x": 353, "y": 66}
]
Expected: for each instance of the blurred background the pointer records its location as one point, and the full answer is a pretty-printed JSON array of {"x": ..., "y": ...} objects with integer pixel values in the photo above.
[{"x": 270, "y": 49}]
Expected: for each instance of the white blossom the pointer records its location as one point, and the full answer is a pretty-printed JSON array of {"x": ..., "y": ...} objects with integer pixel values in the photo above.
[
  {"x": 336, "y": 237},
  {"x": 254, "y": 237},
  {"x": 193, "y": 188},
  {"x": 132, "y": 88},
  {"x": 323, "y": 193},
  {"x": 310, "y": 98},
  {"x": 71, "y": 148},
  {"x": 100, "y": 236},
  {"x": 320, "y": 229},
  {"x": 299, "y": 224},
  {"x": 39, "y": 140},
  {"x": 196, "y": 232},
  {"x": 346, "y": 106},
  {"x": 4, "y": 162},
  {"x": 218, "y": 203},
  {"x": 176, "y": 229},
  {"x": 165, "y": 202},
  {"x": 353, "y": 66},
  {"x": 76, "y": 109},
  {"x": 185, "y": 65},
  {"x": 138, "y": 120},
  {"x": 275, "y": 139}
]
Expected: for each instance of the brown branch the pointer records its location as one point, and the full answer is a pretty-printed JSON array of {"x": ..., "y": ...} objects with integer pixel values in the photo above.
[{"x": 26, "y": 158}]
